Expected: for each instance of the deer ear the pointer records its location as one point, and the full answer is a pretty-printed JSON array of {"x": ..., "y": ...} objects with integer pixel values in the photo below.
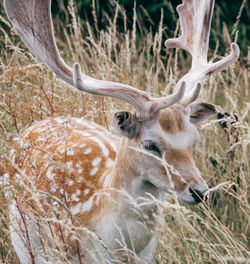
[
  {"x": 126, "y": 124},
  {"x": 201, "y": 111}
]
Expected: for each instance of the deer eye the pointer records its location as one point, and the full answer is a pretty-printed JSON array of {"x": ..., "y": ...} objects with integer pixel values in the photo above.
[{"x": 151, "y": 146}]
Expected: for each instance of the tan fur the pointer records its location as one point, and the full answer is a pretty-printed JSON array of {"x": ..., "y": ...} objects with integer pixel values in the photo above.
[{"x": 50, "y": 153}]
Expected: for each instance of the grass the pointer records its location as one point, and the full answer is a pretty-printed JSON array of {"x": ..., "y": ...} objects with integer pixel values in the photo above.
[{"x": 214, "y": 233}]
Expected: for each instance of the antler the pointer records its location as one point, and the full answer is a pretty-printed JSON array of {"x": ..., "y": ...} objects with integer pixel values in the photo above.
[
  {"x": 195, "y": 20},
  {"x": 32, "y": 20}
]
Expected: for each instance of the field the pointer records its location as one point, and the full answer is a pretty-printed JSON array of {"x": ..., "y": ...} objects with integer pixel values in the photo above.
[{"x": 213, "y": 232}]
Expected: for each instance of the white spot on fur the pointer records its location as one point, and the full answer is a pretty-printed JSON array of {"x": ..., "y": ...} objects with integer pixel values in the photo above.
[
  {"x": 49, "y": 174},
  {"x": 96, "y": 161},
  {"x": 82, "y": 208},
  {"x": 41, "y": 139},
  {"x": 69, "y": 164},
  {"x": 70, "y": 182},
  {"x": 17, "y": 176},
  {"x": 87, "y": 151},
  {"x": 70, "y": 152},
  {"x": 53, "y": 187},
  {"x": 80, "y": 179},
  {"x": 94, "y": 171},
  {"x": 75, "y": 198},
  {"x": 86, "y": 191},
  {"x": 78, "y": 164},
  {"x": 109, "y": 163},
  {"x": 109, "y": 139},
  {"x": 83, "y": 133},
  {"x": 101, "y": 145},
  {"x": 83, "y": 122}
]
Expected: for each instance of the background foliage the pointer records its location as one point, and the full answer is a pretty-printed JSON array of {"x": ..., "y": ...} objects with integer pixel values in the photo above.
[{"x": 149, "y": 11}]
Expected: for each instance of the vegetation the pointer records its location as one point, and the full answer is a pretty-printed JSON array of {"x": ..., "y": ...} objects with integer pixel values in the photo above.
[
  {"x": 149, "y": 13},
  {"x": 128, "y": 47}
]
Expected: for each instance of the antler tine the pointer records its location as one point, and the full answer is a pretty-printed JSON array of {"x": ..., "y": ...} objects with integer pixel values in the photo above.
[
  {"x": 193, "y": 96},
  {"x": 195, "y": 20},
  {"x": 32, "y": 21}
]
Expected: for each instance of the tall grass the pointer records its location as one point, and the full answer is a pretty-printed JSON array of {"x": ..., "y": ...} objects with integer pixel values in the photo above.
[{"x": 216, "y": 232}]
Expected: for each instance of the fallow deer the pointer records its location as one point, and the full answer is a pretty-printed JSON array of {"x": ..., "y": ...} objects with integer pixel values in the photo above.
[{"x": 84, "y": 176}]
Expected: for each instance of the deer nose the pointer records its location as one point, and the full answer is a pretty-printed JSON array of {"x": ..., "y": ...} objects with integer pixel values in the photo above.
[{"x": 198, "y": 195}]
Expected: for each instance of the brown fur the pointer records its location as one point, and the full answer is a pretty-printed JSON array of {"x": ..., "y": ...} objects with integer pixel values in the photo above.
[{"x": 171, "y": 120}]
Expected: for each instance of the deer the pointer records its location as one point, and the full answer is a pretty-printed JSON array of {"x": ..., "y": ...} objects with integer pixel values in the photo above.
[{"x": 89, "y": 181}]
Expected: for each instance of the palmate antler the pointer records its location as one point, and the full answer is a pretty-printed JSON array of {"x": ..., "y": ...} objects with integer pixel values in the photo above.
[
  {"x": 32, "y": 20},
  {"x": 195, "y": 20}
]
